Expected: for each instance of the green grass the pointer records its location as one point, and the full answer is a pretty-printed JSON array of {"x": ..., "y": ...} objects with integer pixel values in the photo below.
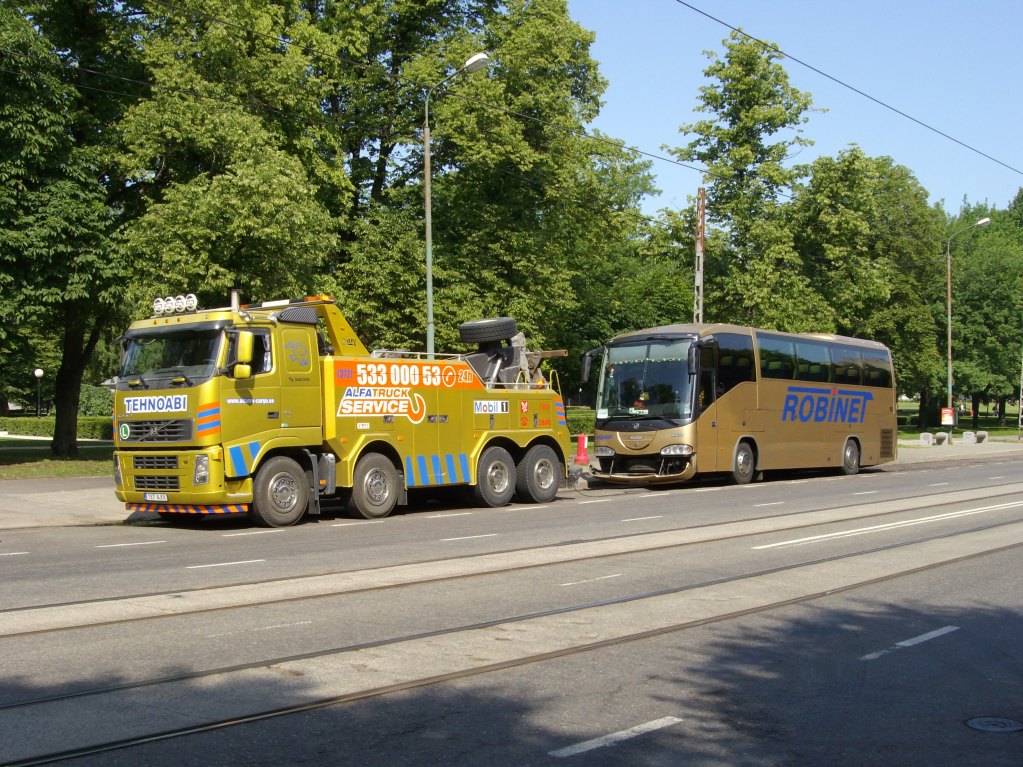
[
  {"x": 32, "y": 459},
  {"x": 986, "y": 421}
]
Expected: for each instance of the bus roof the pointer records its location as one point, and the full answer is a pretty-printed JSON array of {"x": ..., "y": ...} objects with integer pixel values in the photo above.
[{"x": 700, "y": 330}]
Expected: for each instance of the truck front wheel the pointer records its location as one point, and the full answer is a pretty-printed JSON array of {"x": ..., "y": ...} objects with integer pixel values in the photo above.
[
  {"x": 375, "y": 491},
  {"x": 280, "y": 493}
]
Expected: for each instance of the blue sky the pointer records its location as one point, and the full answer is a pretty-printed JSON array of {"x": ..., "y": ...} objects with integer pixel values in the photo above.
[{"x": 955, "y": 66}]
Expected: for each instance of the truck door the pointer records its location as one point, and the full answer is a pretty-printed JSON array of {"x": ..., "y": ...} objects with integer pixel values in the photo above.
[{"x": 301, "y": 404}]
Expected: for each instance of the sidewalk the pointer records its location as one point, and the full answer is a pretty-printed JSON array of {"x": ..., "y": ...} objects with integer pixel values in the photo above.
[{"x": 90, "y": 500}]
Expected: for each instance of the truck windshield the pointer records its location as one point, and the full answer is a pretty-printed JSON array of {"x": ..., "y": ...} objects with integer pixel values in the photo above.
[
  {"x": 191, "y": 354},
  {"x": 646, "y": 379}
]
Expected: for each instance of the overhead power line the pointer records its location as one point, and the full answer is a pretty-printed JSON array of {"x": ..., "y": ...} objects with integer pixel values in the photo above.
[{"x": 846, "y": 85}]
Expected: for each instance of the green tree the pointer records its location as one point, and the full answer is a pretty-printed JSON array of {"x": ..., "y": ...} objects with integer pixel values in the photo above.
[
  {"x": 987, "y": 308},
  {"x": 753, "y": 127},
  {"x": 230, "y": 156},
  {"x": 61, "y": 196},
  {"x": 869, "y": 242}
]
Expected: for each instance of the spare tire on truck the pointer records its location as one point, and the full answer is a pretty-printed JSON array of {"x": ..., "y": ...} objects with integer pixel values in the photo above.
[{"x": 486, "y": 331}]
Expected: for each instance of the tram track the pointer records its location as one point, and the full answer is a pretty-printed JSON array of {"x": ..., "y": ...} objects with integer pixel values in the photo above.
[{"x": 876, "y": 565}]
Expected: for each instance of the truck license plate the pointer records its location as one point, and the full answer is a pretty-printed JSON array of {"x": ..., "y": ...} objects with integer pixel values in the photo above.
[{"x": 156, "y": 496}]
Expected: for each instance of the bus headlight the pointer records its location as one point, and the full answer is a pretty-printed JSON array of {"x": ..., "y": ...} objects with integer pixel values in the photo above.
[
  {"x": 603, "y": 451},
  {"x": 201, "y": 474},
  {"x": 677, "y": 450}
]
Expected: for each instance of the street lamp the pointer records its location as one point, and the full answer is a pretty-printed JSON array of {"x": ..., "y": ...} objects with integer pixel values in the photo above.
[
  {"x": 948, "y": 303},
  {"x": 38, "y": 373},
  {"x": 474, "y": 63}
]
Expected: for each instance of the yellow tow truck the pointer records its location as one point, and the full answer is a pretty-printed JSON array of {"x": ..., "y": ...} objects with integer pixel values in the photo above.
[{"x": 265, "y": 410}]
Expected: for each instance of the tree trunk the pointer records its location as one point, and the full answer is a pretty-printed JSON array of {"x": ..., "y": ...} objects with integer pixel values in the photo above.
[{"x": 76, "y": 351}]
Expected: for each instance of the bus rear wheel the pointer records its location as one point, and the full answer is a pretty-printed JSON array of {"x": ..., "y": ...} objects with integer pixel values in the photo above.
[
  {"x": 851, "y": 458},
  {"x": 744, "y": 467}
]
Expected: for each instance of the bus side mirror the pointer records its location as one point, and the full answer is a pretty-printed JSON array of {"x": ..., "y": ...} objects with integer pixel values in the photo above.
[
  {"x": 584, "y": 374},
  {"x": 693, "y": 359}
]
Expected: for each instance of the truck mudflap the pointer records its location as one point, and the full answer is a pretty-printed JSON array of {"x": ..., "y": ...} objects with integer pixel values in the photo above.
[{"x": 178, "y": 508}]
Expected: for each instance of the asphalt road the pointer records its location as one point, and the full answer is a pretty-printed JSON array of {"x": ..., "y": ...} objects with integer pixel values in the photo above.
[{"x": 810, "y": 619}]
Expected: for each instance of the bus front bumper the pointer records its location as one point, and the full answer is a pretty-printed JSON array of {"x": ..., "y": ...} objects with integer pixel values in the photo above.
[{"x": 651, "y": 469}]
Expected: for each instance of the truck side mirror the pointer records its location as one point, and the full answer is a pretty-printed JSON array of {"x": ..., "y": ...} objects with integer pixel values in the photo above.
[{"x": 243, "y": 355}]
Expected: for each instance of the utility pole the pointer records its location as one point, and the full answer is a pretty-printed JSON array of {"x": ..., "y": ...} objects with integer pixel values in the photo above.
[{"x": 701, "y": 216}]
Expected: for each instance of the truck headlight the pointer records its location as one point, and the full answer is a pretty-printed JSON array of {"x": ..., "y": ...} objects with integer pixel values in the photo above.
[
  {"x": 603, "y": 451},
  {"x": 201, "y": 473},
  {"x": 678, "y": 450}
]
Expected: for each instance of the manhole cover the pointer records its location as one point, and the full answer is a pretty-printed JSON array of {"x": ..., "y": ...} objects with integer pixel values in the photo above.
[{"x": 994, "y": 724}]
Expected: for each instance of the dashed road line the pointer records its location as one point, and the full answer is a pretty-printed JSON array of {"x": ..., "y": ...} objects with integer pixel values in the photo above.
[
  {"x": 911, "y": 642},
  {"x": 615, "y": 737}
]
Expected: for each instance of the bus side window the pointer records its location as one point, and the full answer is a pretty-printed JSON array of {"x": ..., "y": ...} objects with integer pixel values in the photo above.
[
  {"x": 735, "y": 361},
  {"x": 776, "y": 357}
]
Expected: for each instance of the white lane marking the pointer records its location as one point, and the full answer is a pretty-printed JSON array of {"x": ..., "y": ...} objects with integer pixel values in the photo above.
[
  {"x": 260, "y": 628},
  {"x": 996, "y": 477},
  {"x": 615, "y": 737},
  {"x": 122, "y": 545},
  {"x": 772, "y": 503},
  {"x": 653, "y": 495},
  {"x": 453, "y": 514},
  {"x": 865, "y": 492},
  {"x": 599, "y": 500},
  {"x": 640, "y": 519},
  {"x": 914, "y": 641},
  {"x": 252, "y": 532},
  {"x": 226, "y": 564},
  {"x": 470, "y": 537},
  {"x": 890, "y": 526},
  {"x": 13, "y": 553},
  {"x": 353, "y": 524},
  {"x": 938, "y": 484},
  {"x": 591, "y": 580}
]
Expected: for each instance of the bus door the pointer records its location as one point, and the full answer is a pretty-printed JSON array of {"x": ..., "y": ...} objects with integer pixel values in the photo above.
[{"x": 707, "y": 430}]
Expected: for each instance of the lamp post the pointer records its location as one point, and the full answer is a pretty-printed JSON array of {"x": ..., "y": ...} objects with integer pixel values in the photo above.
[
  {"x": 948, "y": 303},
  {"x": 38, "y": 373},
  {"x": 474, "y": 63}
]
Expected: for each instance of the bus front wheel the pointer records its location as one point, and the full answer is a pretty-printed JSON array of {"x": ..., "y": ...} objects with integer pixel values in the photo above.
[
  {"x": 851, "y": 458},
  {"x": 744, "y": 465}
]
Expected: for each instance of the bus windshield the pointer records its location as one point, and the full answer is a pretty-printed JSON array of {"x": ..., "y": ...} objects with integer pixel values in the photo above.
[
  {"x": 191, "y": 354},
  {"x": 646, "y": 379}
]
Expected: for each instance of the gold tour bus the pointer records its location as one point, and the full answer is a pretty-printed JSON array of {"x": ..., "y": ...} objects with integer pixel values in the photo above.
[{"x": 680, "y": 400}]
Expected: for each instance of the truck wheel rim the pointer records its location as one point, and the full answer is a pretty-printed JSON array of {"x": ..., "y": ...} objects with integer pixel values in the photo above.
[
  {"x": 283, "y": 492},
  {"x": 544, "y": 474},
  {"x": 376, "y": 487},
  {"x": 498, "y": 477}
]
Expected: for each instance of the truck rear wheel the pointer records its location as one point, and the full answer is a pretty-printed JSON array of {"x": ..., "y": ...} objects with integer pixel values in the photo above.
[
  {"x": 538, "y": 475},
  {"x": 375, "y": 490},
  {"x": 495, "y": 483},
  {"x": 280, "y": 493}
]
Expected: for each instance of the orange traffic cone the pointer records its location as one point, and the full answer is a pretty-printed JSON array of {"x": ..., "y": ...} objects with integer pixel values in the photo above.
[{"x": 582, "y": 458}]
